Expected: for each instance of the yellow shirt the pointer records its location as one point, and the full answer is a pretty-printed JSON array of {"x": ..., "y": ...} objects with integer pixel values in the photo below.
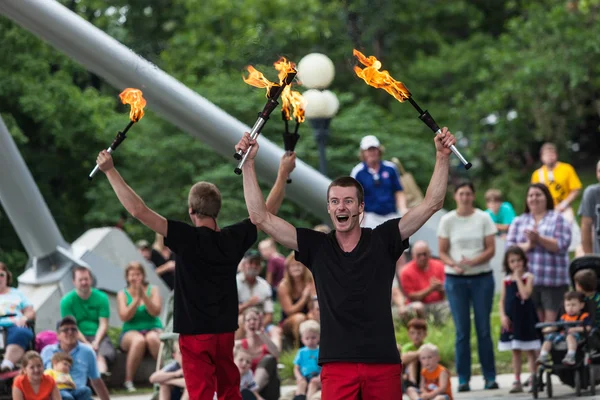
[
  {"x": 561, "y": 181},
  {"x": 63, "y": 381}
]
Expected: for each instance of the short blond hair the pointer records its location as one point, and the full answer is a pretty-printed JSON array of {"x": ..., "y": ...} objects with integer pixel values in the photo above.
[
  {"x": 205, "y": 200},
  {"x": 431, "y": 348},
  {"x": 493, "y": 195},
  {"x": 310, "y": 326}
]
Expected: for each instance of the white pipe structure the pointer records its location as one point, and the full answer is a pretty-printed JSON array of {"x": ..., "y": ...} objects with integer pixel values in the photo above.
[{"x": 121, "y": 67}]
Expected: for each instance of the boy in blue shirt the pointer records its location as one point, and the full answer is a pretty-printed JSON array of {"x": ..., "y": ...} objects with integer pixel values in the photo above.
[
  {"x": 306, "y": 366},
  {"x": 502, "y": 212}
]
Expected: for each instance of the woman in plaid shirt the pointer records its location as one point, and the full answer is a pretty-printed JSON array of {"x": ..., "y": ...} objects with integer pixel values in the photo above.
[{"x": 545, "y": 236}]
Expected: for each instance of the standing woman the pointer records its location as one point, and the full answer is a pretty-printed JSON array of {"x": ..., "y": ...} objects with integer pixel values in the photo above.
[
  {"x": 544, "y": 235},
  {"x": 139, "y": 306},
  {"x": 466, "y": 238}
]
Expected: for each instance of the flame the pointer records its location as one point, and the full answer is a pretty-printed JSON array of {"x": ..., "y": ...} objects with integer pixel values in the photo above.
[
  {"x": 134, "y": 98},
  {"x": 283, "y": 66},
  {"x": 257, "y": 79},
  {"x": 294, "y": 100},
  {"x": 372, "y": 75}
]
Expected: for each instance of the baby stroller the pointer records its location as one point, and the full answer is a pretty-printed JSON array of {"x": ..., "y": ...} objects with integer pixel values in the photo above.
[
  {"x": 584, "y": 373},
  {"x": 6, "y": 378}
]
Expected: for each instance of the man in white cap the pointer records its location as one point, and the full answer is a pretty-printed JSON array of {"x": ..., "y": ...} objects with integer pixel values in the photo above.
[{"x": 384, "y": 196}]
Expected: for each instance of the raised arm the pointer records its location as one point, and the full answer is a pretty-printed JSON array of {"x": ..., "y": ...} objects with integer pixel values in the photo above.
[
  {"x": 275, "y": 197},
  {"x": 130, "y": 200},
  {"x": 416, "y": 217},
  {"x": 277, "y": 228}
]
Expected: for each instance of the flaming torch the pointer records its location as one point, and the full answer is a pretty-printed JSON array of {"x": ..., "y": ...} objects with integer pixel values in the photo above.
[
  {"x": 291, "y": 100},
  {"x": 287, "y": 73},
  {"x": 372, "y": 75},
  {"x": 134, "y": 98}
]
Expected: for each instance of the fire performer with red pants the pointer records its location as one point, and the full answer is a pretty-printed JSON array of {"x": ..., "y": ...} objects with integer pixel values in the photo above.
[
  {"x": 206, "y": 301},
  {"x": 353, "y": 268}
]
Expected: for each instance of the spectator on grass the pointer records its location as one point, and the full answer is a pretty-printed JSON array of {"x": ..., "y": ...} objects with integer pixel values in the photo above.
[
  {"x": 61, "y": 373},
  {"x": 264, "y": 353},
  {"x": 589, "y": 211},
  {"x": 253, "y": 291},
  {"x": 248, "y": 386},
  {"x": 275, "y": 263},
  {"x": 164, "y": 268},
  {"x": 422, "y": 281},
  {"x": 502, "y": 212},
  {"x": 435, "y": 378},
  {"x": 467, "y": 242},
  {"x": 139, "y": 306},
  {"x": 84, "y": 360},
  {"x": 91, "y": 309},
  {"x": 170, "y": 378},
  {"x": 295, "y": 294},
  {"x": 33, "y": 384},
  {"x": 18, "y": 334},
  {"x": 409, "y": 352},
  {"x": 306, "y": 363},
  {"x": 544, "y": 235}
]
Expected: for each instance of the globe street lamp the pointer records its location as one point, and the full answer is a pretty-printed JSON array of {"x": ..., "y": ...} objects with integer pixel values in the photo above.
[{"x": 316, "y": 71}]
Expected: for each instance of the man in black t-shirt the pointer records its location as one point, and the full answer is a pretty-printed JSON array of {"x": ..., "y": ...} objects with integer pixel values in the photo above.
[
  {"x": 205, "y": 299},
  {"x": 353, "y": 270}
]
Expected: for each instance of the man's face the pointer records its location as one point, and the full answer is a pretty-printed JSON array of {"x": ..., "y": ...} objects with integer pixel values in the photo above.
[
  {"x": 417, "y": 336},
  {"x": 252, "y": 268},
  {"x": 421, "y": 256},
  {"x": 342, "y": 205},
  {"x": 83, "y": 281},
  {"x": 67, "y": 335},
  {"x": 372, "y": 155},
  {"x": 548, "y": 157}
]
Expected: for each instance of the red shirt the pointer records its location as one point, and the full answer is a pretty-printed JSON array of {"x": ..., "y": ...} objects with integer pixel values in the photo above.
[
  {"x": 413, "y": 279},
  {"x": 264, "y": 351}
]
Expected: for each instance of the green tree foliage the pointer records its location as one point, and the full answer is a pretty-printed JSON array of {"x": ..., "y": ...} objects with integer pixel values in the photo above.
[{"x": 463, "y": 60}]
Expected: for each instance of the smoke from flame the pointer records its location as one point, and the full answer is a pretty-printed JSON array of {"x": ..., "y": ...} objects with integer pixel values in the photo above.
[
  {"x": 372, "y": 75},
  {"x": 134, "y": 98}
]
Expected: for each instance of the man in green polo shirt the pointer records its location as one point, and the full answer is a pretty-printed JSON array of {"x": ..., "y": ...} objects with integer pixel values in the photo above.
[{"x": 91, "y": 309}]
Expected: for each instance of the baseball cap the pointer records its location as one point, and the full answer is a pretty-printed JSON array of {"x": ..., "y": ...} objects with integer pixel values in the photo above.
[
  {"x": 369, "y": 141},
  {"x": 68, "y": 320},
  {"x": 142, "y": 244},
  {"x": 252, "y": 255}
]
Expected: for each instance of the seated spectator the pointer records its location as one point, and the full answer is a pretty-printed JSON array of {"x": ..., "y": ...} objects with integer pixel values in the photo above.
[
  {"x": 417, "y": 332},
  {"x": 170, "y": 378},
  {"x": 61, "y": 373},
  {"x": 306, "y": 364},
  {"x": 18, "y": 334},
  {"x": 33, "y": 384},
  {"x": 91, "y": 309},
  {"x": 248, "y": 386},
  {"x": 139, "y": 306},
  {"x": 164, "y": 268},
  {"x": 253, "y": 291},
  {"x": 586, "y": 281},
  {"x": 422, "y": 281},
  {"x": 502, "y": 212},
  {"x": 264, "y": 353},
  {"x": 295, "y": 293},
  {"x": 435, "y": 379},
  {"x": 84, "y": 360},
  {"x": 275, "y": 263}
]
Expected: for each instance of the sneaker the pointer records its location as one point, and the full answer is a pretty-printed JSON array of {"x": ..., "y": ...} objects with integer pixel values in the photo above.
[
  {"x": 543, "y": 359},
  {"x": 569, "y": 359},
  {"x": 464, "y": 387},
  {"x": 490, "y": 385},
  {"x": 516, "y": 387},
  {"x": 129, "y": 386}
]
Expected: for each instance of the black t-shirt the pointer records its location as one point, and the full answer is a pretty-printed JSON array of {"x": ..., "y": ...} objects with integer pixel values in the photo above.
[
  {"x": 355, "y": 292},
  {"x": 158, "y": 260},
  {"x": 205, "y": 299}
]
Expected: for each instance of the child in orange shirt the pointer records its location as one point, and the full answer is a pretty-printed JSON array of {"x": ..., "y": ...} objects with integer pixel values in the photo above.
[
  {"x": 32, "y": 384},
  {"x": 435, "y": 379}
]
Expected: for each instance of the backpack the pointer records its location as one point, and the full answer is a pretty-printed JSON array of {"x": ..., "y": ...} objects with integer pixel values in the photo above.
[{"x": 45, "y": 338}]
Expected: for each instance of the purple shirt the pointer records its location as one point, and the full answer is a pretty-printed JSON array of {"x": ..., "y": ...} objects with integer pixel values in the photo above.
[
  {"x": 276, "y": 266},
  {"x": 548, "y": 269}
]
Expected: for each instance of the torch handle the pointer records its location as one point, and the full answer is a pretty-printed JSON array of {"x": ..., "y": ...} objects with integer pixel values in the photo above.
[
  {"x": 96, "y": 168},
  {"x": 456, "y": 152},
  {"x": 430, "y": 122},
  {"x": 260, "y": 122}
]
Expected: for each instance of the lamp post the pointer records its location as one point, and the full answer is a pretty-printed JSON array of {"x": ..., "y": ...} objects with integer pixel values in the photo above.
[{"x": 316, "y": 71}]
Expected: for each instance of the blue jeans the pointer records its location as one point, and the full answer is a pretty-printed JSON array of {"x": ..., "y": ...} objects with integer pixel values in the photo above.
[
  {"x": 82, "y": 393},
  {"x": 462, "y": 292}
]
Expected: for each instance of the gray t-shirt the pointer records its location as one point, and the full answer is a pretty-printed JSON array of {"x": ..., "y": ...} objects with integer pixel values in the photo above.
[{"x": 590, "y": 207}]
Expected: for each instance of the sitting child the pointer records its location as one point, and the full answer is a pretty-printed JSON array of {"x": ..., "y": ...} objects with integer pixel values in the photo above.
[
  {"x": 435, "y": 379},
  {"x": 248, "y": 387},
  {"x": 417, "y": 332},
  {"x": 170, "y": 378},
  {"x": 574, "y": 304},
  {"x": 61, "y": 373},
  {"x": 306, "y": 363},
  {"x": 585, "y": 282}
]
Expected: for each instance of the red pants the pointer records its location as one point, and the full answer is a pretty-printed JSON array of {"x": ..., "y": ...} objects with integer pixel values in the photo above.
[
  {"x": 208, "y": 366},
  {"x": 349, "y": 381}
]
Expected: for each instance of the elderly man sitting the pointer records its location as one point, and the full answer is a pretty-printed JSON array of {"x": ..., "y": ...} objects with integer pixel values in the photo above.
[{"x": 422, "y": 281}]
